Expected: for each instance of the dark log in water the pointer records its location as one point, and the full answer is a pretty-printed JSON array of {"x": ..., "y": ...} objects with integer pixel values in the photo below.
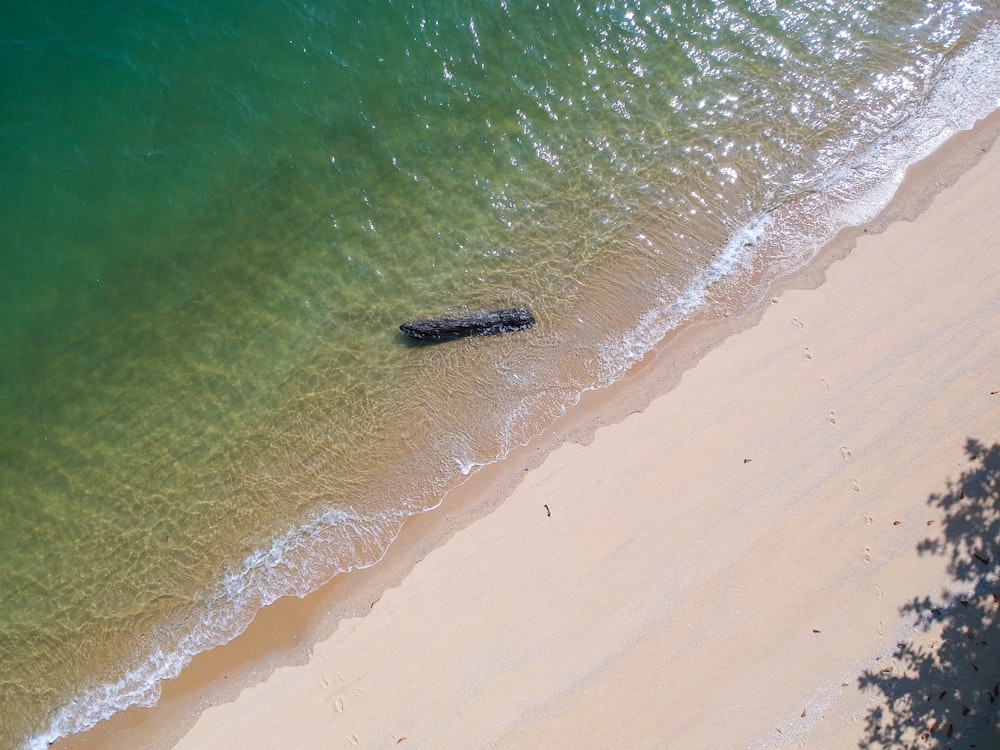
[{"x": 481, "y": 324}]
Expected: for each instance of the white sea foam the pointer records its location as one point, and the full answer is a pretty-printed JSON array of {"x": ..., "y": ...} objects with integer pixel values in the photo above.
[
  {"x": 296, "y": 563},
  {"x": 966, "y": 90},
  {"x": 617, "y": 357}
]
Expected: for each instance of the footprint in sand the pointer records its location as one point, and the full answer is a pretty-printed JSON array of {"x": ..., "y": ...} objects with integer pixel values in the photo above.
[
  {"x": 797, "y": 323},
  {"x": 826, "y": 386},
  {"x": 855, "y": 486},
  {"x": 324, "y": 682},
  {"x": 352, "y": 738},
  {"x": 878, "y": 591},
  {"x": 806, "y": 353},
  {"x": 845, "y": 452},
  {"x": 880, "y": 628},
  {"x": 868, "y": 519},
  {"x": 867, "y": 556},
  {"x": 338, "y": 705},
  {"x": 832, "y": 419}
]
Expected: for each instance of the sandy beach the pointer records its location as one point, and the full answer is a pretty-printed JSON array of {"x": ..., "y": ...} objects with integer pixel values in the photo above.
[{"x": 778, "y": 530}]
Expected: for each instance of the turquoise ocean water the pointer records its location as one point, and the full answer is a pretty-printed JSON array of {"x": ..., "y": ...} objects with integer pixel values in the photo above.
[{"x": 214, "y": 216}]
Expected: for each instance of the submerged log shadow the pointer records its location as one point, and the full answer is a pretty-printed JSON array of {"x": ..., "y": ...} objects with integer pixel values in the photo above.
[{"x": 437, "y": 330}]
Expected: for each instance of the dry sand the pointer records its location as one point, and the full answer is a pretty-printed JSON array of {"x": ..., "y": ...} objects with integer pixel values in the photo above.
[{"x": 719, "y": 568}]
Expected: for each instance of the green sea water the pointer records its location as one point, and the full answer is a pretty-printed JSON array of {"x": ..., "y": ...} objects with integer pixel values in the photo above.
[{"x": 214, "y": 216}]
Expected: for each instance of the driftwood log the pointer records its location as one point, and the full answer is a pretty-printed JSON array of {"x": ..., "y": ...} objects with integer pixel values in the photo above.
[{"x": 481, "y": 324}]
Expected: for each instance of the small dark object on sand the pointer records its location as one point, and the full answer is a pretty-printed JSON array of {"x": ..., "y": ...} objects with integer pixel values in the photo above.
[{"x": 481, "y": 324}]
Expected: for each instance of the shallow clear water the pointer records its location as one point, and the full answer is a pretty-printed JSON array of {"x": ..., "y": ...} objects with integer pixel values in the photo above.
[{"x": 214, "y": 216}]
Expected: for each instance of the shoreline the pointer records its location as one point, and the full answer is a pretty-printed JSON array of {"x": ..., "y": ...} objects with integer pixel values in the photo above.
[{"x": 283, "y": 634}]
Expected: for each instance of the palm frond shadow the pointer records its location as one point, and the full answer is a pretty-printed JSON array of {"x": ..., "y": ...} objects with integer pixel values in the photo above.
[{"x": 946, "y": 692}]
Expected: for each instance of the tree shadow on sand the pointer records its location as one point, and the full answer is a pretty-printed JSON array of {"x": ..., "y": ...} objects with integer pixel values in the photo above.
[{"x": 943, "y": 690}]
